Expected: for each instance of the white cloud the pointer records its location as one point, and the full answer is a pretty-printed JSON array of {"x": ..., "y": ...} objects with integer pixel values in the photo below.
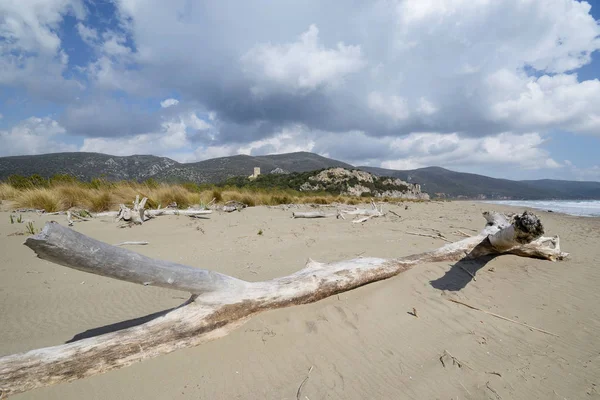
[
  {"x": 33, "y": 136},
  {"x": 173, "y": 138},
  {"x": 289, "y": 140},
  {"x": 87, "y": 34},
  {"x": 426, "y": 107},
  {"x": 558, "y": 101},
  {"x": 451, "y": 150},
  {"x": 30, "y": 52},
  {"x": 393, "y": 107},
  {"x": 169, "y": 102},
  {"x": 302, "y": 65}
]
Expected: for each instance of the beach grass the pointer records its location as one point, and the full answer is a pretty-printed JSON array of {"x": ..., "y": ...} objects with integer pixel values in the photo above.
[{"x": 61, "y": 194}]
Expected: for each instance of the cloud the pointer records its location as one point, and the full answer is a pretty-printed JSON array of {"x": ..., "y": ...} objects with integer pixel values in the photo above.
[
  {"x": 87, "y": 34},
  {"x": 557, "y": 101},
  {"x": 105, "y": 117},
  {"x": 173, "y": 137},
  {"x": 393, "y": 107},
  {"x": 33, "y": 136},
  {"x": 360, "y": 81},
  {"x": 168, "y": 103},
  {"x": 508, "y": 149},
  {"x": 30, "y": 48},
  {"x": 303, "y": 65}
]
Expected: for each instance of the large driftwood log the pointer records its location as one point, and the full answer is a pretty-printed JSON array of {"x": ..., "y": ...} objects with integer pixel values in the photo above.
[{"x": 221, "y": 303}]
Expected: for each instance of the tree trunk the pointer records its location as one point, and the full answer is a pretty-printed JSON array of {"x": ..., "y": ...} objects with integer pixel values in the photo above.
[{"x": 221, "y": 303}]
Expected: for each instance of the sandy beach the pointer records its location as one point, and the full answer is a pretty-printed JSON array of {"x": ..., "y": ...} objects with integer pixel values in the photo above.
[{"x": 362, "y": 344}]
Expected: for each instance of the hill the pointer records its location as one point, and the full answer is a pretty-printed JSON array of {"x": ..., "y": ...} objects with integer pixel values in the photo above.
[
  {"x": 443, "y": 183},
  {"x": 337, "y": 181},
  {"x": 438, "y": 182},
  {"x": 219, "y": 169}
]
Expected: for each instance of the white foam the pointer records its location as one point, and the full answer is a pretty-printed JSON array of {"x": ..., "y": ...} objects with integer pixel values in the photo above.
[{"x": 584, "y": 208}]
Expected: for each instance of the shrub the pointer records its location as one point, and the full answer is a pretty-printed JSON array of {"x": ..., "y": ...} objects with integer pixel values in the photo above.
[
  {"x": 102, "y": 201},
  {"x": 73, "y": 196},
  {"x": 41, "y": 198},
  {"x": 8, "y": 192},
  {"x": 217, "y": 195}
]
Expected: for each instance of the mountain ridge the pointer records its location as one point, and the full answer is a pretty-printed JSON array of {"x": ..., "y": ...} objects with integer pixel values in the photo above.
[{"x": 437, "y": 181}]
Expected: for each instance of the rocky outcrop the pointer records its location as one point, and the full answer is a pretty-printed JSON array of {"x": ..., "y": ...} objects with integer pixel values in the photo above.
[{"x": 359, "y": 183}]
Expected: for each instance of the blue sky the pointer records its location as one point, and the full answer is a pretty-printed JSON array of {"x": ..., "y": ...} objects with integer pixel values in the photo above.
[{"x": 507, "y": 89}]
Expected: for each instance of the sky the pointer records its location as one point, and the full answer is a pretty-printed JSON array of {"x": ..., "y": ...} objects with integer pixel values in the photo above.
[{"x": 503, "y": 88}]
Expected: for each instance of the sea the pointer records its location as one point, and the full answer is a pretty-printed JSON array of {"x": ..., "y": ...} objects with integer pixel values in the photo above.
[{"x": 582, "y": 208}]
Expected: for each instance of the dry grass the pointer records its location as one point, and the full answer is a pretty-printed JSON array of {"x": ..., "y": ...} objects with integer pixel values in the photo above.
[
  {"x": 102, "y": 196},
  {"x": 7, "y": 192},
  {"x": 41, "y": 198}
]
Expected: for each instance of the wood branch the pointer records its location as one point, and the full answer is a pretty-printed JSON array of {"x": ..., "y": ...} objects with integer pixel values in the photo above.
[
  {"x": 363, "y": 212},
  {"x": 69, "y": 220},
  {"x": 461, "y": 233},
  {"x": 165, "y": 211},
  {"x": 363, "y": 219},
  {"x": 156, "y": 213},
  {"x": 71, "y": 249},
  {"x": 132, "y": 244},
  {"x": 221, "y": 303},
  {"x": 313, "y": 214},
  {"x": 438, "y": 236}
]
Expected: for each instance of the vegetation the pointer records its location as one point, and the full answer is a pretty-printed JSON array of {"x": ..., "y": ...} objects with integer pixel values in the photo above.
[{"x": 62, "y": 192}]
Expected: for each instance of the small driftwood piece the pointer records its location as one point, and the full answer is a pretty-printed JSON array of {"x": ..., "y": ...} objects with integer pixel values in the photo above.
[
  {"x": 363, "y": 219},
  {"x": 69, "y": 220},
  {"x": 504, "y": 318},
  {"x": 220, "y": 303},
  {"x": 233, "y": 205},
  {"x": 313, "y": 214},
  {"x": 438, "y": 236},
  {"x": 366, "y": 213},
  {"x": 132, "y": 244},
  {"x": 165, "y": 211}
]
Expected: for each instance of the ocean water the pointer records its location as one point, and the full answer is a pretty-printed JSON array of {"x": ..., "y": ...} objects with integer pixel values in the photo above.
[{"x": 584, "y": 208}]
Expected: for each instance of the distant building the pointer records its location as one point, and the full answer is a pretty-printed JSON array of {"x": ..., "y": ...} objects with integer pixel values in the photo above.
[{"x": 255, "y": 174}]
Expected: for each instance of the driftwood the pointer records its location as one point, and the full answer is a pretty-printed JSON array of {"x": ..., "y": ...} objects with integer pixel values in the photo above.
[
  {"x": 233, "y": 205},
  {"x": 164, "y": 211},
  {"x": 221, "y": 303},
  {"x": 138, "y": 214},
  {"x": 366, "y": 213},
  {"x": 132, "y": 243},
  {"x": 313, "y": 214}
]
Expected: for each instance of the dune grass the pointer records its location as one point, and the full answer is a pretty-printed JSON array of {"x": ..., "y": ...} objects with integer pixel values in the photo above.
[
  {"x": 97, "y": 197},
  {"x": 63, "y": 192}
]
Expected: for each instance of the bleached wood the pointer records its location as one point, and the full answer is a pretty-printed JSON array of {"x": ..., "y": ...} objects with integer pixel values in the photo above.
[
  {"x": 71, "y": 249},
  {"x": 156, "y": 213},
  {"x": 313, "y": 214},
  {"x": 69, "y": 220},
  {"x": 165, "y": 211},
  {"x": 362, "y": 212},
  {"x": 363, "y": 219},
  {"x": 219, "y": 303}
]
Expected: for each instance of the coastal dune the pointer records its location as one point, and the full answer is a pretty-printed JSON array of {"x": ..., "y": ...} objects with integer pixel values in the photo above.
[{"x": 365, "y": 343}]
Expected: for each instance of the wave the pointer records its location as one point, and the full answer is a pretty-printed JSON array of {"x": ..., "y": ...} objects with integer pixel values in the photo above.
[{"x": 582, "y": 208}]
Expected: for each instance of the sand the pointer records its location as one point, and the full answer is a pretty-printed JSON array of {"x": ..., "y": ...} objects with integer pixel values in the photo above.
[{"x": 361, "y": 344}]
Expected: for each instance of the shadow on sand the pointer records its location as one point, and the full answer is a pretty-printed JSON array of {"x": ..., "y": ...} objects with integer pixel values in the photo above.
[
  {"x": 118, "y": 326},
  {"x": 456, "y": 278}
]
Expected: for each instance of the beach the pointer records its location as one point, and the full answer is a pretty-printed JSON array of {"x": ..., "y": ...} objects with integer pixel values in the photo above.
[{"x": 365, "y": 343}]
